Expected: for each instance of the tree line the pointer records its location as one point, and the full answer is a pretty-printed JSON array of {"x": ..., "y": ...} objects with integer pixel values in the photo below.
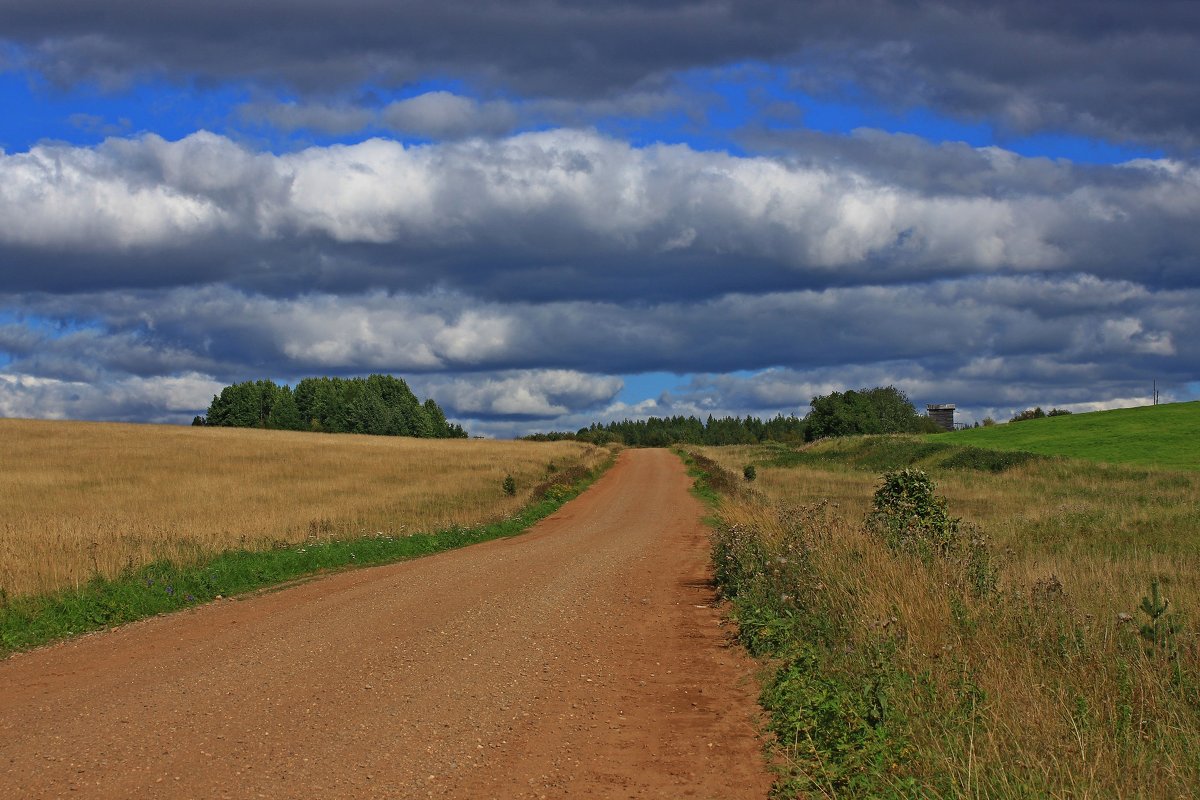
[
  {"x": 880, "y": 410},
  {"x": 382, "y": 405},
  {"x": 661, "y": 432}
]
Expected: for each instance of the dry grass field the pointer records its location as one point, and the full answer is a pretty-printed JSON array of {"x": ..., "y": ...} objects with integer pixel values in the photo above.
[
  {"x": 79, "y": 499},
  {"x": 1042, "y": 687}
]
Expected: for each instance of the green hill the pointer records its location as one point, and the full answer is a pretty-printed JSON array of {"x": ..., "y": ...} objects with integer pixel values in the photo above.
[{"x": 1155, "y": 436}]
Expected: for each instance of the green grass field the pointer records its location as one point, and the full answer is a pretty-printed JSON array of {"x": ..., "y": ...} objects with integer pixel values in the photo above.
[{"x": 1166, "y": 436}]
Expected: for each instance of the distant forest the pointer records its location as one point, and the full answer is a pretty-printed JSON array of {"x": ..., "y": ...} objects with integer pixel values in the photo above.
[
  {"x": 661, "y": 432},
  {"x": 883, "y": 409},
  {"x": 379, "y": 404}
]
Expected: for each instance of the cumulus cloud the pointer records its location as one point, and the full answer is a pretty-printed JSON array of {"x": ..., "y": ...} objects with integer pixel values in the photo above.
[{"x": 561, "y": 213}]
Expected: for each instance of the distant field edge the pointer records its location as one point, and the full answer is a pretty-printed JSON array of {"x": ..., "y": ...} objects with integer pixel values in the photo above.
[
  {"x": 166, "y": 587},
  {"x": 1166, "y": 436}
]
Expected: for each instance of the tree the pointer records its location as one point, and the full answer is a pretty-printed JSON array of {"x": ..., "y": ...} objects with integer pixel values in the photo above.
[
  {"x": 285, "y": 416},
  {"x": 377, "y": 404},
  {"x": 240, "y": 406},
  {"x": 883, "y": 409}
]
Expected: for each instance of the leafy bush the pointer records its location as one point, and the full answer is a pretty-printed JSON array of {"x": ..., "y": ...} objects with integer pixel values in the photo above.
[
  {"x": 910, "y": 518},
  {"x": 509, "y": 485},
  {"x": 749, "y": 472},
  {"x": 837, "y": 722}
]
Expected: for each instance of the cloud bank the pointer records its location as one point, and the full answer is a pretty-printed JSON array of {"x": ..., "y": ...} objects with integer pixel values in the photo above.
[{"x": 502, "y": 224}]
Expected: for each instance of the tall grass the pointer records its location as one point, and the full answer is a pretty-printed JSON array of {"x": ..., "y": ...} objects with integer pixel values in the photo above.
[
  {"x": 900, "y": 674},
  {"x": 80, "y": 500}
]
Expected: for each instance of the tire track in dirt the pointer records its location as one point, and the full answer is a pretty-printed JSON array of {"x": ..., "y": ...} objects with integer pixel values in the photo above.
[{"x": 582, "y": 659}]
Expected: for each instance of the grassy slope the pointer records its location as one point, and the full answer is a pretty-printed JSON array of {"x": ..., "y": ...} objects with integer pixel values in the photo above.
[{"x": 1165, "y": 436}]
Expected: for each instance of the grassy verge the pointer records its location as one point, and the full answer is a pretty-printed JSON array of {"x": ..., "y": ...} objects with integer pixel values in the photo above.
[
  {"x": 908, "y": 653},
  {"x": 710, "y": 482},
  {"x": 166, "y": 586}
]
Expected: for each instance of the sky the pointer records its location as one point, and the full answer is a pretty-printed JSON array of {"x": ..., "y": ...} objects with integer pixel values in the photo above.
[{"x": 549, "y": 213}]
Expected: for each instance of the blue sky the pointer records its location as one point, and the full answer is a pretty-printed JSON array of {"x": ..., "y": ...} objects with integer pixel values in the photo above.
[{"x": 673, "y": 208}]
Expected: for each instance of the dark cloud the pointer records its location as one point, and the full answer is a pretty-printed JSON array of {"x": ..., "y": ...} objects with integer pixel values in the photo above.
[
  {"x": 982, "y": 341},
  {"x": 1107, "y": 68}
]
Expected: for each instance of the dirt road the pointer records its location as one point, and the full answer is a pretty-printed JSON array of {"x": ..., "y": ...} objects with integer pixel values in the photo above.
[{"x": 578, "y": 660}]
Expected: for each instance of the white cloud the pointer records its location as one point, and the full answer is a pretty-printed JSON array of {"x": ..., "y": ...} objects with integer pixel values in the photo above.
[
  {"x": 559, "y": 193},
  {"x": 174, "y": 398}
]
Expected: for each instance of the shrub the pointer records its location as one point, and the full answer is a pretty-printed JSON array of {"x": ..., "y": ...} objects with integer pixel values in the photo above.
[
  {"x": 509, "y": 485},
  {"x": 910, "y": 518},
  {"x": 749, "y": 472}
]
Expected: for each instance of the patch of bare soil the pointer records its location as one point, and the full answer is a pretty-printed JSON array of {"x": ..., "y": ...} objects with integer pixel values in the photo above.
[{"x": 582, "y": 659}]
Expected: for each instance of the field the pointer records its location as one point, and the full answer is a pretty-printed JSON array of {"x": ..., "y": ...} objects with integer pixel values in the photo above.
[
  {"x": 1019, "y": 660},
  {"x": 1151, "y": 436},
  {"x": 81, "y": 499}
]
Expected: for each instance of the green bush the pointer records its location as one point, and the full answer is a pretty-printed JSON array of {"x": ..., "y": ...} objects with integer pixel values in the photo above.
[
  {"x": 910, "y": 518},
  {"x": 509, "y": 485},
  {"x": 749, "y": 472}
]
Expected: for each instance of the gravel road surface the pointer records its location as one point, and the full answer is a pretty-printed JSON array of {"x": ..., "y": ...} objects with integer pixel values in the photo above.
[{"x": 581, "y": 659}]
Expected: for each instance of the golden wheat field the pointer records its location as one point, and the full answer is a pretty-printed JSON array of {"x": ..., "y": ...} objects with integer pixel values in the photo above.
[{"x": 79, "y": 499}]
